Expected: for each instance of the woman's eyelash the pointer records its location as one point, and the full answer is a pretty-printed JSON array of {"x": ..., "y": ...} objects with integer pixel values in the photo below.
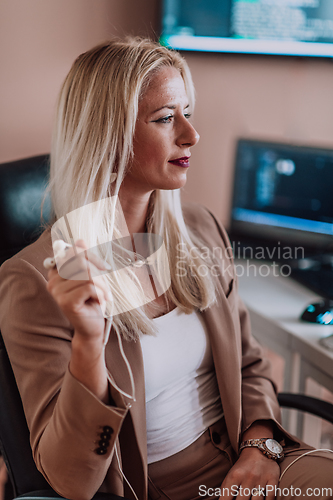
[
  {"x": 165, "y": 119},
  {"x": 168, "y": 119}
]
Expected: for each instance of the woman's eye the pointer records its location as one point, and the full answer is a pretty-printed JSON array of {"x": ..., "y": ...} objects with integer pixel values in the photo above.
[
  {"x": 169, "y": 118},
  {"x": 165, "y": 119}
]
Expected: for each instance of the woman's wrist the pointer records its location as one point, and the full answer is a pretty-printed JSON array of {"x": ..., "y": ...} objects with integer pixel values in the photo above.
[
  {"x": 88, "y": 366},
  {"x": 259, "y": 440},
  {"x": 86, "y": 344},
  {"x": 259, "y": 429}
]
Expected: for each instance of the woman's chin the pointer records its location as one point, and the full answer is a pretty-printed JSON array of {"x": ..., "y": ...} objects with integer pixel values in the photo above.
[{"x": 175, "y": 182}]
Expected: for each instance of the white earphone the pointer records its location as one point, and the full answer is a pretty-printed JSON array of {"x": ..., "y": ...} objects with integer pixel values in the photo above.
[{"x": 59, "y": 249}]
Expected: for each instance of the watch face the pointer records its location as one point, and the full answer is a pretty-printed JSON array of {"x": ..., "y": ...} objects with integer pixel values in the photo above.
[{"x": 273, "y": 446}]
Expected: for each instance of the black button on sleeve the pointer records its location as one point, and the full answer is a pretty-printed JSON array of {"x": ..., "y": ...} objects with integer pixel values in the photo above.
[
  {"x": 103, "y": 443},
  {"x": 216, "y": 437},
  {"x": 105, "y": 436},
  {"x": 108, "y": 430},
  {"x": 101, "y": 451}
]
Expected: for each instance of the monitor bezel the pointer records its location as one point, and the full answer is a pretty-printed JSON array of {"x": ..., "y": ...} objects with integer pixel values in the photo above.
[{"x": 245, "y": 229}]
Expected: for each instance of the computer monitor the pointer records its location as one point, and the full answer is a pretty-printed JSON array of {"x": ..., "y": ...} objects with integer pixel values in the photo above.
[
  {"x": 283, "y": 192},
  {"x": 280, "y": 27}
]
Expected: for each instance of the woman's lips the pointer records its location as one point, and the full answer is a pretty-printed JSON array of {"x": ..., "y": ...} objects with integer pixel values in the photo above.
[{"x": 181, "y": 162}]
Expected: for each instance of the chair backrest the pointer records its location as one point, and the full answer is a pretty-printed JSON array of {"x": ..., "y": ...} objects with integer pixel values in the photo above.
[
  {"x": 14, "y": 433},
  {"x": 22, "y": 185}
]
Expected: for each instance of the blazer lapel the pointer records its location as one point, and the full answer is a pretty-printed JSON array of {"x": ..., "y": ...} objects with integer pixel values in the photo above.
[{"x": 225, "y": 348}]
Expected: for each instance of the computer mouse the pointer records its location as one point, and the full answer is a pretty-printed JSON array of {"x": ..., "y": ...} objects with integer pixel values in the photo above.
[{"x": 319, "y": 312}]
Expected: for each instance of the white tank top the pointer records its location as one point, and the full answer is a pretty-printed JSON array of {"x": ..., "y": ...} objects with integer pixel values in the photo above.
[{"x": 182, "y": 397}]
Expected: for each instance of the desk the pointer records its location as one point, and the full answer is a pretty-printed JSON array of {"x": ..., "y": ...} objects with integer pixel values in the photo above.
[{"x": 275, "y": 304}]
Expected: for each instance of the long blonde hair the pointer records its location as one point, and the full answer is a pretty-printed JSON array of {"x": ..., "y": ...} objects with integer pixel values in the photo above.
[{"x": 92, "y": 139}]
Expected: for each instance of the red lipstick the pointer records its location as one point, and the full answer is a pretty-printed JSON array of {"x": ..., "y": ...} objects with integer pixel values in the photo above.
[{"x": 181, "y": 162}]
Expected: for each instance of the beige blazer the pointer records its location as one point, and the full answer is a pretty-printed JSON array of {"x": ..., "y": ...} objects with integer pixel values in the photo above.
[{"x": 66, "y": 420}]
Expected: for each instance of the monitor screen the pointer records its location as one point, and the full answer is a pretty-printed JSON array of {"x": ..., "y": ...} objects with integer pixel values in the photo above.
[
  {"x": 283, "y": 191},
  {"x": 283, "y": 27}
]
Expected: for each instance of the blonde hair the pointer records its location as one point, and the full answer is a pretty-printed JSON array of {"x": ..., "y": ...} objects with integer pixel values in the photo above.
[{"x": 93, "y": 138}]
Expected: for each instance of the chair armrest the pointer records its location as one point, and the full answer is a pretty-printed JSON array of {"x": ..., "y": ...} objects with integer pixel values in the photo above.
[{"x": 315, "y": 406}]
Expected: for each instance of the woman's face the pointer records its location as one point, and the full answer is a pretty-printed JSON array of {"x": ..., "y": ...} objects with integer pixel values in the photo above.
[{"x": 163, "y": 136}]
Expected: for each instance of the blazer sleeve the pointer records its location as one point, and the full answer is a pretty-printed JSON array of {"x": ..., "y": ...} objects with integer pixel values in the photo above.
[
  {"x": 258, "y": 392},
  {"x": 66, "y": 421}
]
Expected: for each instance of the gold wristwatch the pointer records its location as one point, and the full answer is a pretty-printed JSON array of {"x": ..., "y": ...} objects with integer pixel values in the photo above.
[{"x": 269, "y": 447}]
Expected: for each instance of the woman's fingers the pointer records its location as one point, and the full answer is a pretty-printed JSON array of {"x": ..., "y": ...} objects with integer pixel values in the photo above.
[
  {"x": 58, "y": 286},
  {"x": 250, "y": 477},
  {"x": 79, "y": 263},
  {"x": 77, "y": 284},
  {"x": 270, "y": 491},
  {"x": 78, "y": 277},
  {"x": 73, "y": 300}
]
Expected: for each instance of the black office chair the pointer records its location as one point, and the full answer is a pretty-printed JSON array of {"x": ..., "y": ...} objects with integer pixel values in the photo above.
[{"x": 22, "y": 186}]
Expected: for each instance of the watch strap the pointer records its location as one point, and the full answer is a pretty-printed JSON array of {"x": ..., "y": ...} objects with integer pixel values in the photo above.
[
  {"x": 249, "y": 443},
  {"x": 260, "y": 443}
]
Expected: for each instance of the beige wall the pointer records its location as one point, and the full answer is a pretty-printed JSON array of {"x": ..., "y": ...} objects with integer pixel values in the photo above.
[
  {"x": 283, "y": 99},
  {"x": 39, "y": 40}
]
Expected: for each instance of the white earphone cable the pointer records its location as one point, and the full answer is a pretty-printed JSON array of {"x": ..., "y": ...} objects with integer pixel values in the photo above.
[
  {"x": 128, "y": 366},
  {"x": 301, "y": 456},
  {"x": 121, "y": 470}
]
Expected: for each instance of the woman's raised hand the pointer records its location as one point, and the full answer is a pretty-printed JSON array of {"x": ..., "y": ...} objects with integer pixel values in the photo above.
[
  {"x": 81, "y": 293},
  {"x": 79, "y": 289}
]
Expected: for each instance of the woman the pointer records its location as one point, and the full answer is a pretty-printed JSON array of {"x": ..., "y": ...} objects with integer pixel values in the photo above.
[{"x": 196, "y": 385}]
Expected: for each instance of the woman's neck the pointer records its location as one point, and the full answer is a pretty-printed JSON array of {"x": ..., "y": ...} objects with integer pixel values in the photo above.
[{"x": 135, "y": 209}]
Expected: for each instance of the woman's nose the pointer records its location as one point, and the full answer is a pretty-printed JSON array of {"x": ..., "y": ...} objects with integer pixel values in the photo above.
[{"x": 189, "y": 136}]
